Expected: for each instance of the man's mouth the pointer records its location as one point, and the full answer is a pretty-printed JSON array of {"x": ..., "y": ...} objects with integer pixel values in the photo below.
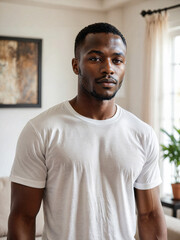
[
  {"x": 106, "y": 80},
  {"x": 107, "y": 83}
]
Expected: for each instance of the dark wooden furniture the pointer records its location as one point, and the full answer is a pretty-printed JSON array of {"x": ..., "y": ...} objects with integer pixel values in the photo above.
[{"x": 169, "y": 202}]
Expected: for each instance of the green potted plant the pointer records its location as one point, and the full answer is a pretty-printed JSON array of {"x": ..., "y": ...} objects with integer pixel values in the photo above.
[{"x": 171, "y": 150}]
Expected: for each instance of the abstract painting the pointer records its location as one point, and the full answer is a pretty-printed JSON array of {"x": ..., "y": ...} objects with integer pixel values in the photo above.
[{"x": 20, "y": 72}]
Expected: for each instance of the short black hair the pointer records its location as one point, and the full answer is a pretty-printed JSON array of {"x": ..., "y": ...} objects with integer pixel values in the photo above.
[{"x": 100, "y": 27}]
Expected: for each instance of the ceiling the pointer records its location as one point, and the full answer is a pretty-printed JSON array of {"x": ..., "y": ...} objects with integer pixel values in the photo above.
[{"x": 98, "y": 5}]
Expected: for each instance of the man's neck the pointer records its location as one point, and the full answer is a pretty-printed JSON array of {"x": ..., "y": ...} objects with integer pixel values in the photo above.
[{"x": 94, "y": 108}]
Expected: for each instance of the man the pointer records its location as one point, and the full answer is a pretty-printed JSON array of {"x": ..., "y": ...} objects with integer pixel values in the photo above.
[{"x": 87, "y": 158}]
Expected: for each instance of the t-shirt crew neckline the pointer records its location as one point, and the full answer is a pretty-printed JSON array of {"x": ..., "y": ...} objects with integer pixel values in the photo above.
[{"x": 94, "y": 121}]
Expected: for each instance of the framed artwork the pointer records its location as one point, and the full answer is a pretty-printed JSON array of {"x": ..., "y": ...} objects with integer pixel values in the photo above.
[{"x": 20, "y": 72}]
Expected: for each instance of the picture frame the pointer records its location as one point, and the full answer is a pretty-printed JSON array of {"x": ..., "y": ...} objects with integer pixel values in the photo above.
[{"x": 20, "y": 72}]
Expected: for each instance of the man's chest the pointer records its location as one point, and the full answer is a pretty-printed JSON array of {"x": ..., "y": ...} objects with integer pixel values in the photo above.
[{"x": 108, "y": 151}]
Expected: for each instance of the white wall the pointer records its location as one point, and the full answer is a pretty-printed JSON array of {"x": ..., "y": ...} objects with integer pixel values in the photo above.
[{"x": 57, "y": 28}]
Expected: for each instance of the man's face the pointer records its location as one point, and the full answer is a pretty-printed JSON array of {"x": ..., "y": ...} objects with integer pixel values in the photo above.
[{"x": 101, "y": 65}]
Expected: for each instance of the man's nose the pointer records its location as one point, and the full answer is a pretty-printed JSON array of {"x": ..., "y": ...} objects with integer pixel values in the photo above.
[{"x": 107, "y": 67}]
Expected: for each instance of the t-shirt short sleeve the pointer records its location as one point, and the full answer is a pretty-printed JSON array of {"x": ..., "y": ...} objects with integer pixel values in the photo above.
[
  {"x": 29, "y": 167},
  {"x": 150, "y": 174}
]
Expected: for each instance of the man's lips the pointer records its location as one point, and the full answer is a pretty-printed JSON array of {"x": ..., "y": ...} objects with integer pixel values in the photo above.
[{"x": 106, "y": 80}]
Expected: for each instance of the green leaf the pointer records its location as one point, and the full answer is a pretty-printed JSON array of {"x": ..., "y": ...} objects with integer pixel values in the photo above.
[{"x": 171, "y": 150}]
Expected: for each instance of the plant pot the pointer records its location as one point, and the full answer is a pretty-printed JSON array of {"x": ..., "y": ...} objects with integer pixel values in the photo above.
[{"x": 176, "y": 190}]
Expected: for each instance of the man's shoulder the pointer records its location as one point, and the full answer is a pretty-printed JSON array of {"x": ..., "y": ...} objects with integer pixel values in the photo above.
[
  {"x": 50, "y": 116},
  {"x": 133, "y": 119},
  {"x": 134, "y": 123}
]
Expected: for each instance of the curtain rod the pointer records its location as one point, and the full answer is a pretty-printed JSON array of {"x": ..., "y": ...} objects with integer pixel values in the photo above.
[{"x": 149, "y": 12}]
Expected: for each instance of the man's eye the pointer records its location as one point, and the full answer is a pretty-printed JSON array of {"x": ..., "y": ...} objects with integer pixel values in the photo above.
[
  {"x": 118, "y": 61},
  {"x": 95, "y": 59}
]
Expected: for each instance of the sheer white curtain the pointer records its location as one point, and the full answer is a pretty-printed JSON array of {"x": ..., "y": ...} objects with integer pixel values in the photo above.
[
  {"x": 155, "y": 67},
  {"x": 156, "y": 101}
]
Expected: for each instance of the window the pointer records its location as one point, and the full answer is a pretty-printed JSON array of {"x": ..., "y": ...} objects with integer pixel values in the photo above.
[
  {"x": 171, "y": 103},
  {"x": 175, "y": 69}
]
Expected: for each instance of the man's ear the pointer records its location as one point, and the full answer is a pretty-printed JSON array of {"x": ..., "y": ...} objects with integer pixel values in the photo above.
[{"x": 75, "y": 66}]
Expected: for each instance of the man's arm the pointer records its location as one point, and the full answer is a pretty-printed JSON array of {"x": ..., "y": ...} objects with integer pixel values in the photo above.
[
  {"x": 151, "y": 220},
  {"x": 25, "y": 204}
]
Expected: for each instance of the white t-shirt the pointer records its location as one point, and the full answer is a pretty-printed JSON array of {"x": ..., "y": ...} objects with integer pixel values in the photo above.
[{"x": 89, "y": 169}]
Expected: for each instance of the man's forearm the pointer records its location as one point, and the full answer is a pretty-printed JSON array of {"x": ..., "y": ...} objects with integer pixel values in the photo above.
[
  {"x": 152, "y": 226},
  {"x": 21, "y": 228}
]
